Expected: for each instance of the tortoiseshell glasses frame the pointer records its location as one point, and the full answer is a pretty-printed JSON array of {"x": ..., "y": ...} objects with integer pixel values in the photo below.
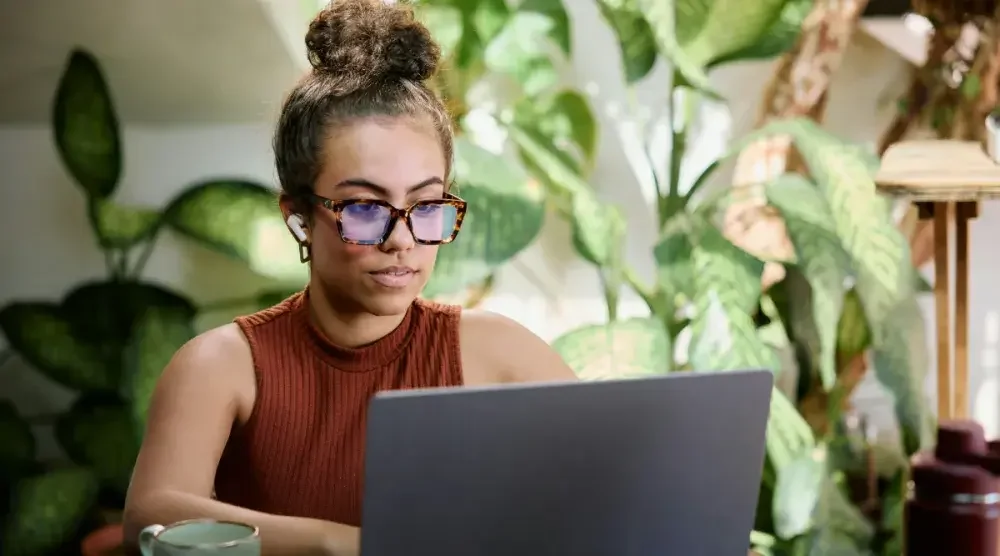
[{"x": 337, "y": 207}]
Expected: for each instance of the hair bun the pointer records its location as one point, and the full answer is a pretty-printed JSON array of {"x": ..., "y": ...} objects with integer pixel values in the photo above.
[{"x": 364, "y": 42}]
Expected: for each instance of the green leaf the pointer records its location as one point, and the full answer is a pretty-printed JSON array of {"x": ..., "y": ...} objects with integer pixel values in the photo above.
[
  {"x": 797, "y": 494},
  {"x": 779, "y": 38},
  {"x": 881, "y": 259},
  {"x": 17, "y": 450},
  {"x": 560, "y": 177},
  {"x": 727, "y": 289},
  {"x": 564, "y": 119},
  {"x": 86, "y": 126},
  {"x": 635, "y": 37},
  {"x": 47, "y": 511},
  {"x": 240, "y": 219},
  {"x": 78, "y": 342},
  {"x": 900, "y": 361},
  {"x": 156, "y": 337},
  {"x": 121, "y": 226},
  {"x": 842, "y": 530},
  {"x": 621, "y": 349},
  {"x": 821, "y": 258},
  {"x": 445, "y": 24},
  {"x": 43, "y": 335},
  {"x": 520, "y": 50},
  {"x": 97, "y": 432},
  {"x": 788, "y": 435},
  {"x": 663, "y": 21},
  {"x": 555, "y": 12},
  {"x": 598, "y": 229},
  {"x": 504, "y": 216},
  {"x": 793, "y": 298},
  {"x": 707, "y": 30}
]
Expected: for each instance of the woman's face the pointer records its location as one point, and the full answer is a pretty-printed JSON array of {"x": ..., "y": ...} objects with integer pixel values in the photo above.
[{"x": 399, "y": 161}]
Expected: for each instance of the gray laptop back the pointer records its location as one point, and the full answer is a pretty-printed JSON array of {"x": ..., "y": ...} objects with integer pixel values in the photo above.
[{"x": 662, "y": 466}]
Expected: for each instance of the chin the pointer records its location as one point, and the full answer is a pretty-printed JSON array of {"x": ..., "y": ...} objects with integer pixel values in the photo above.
[{"x": 386, "y": 305}]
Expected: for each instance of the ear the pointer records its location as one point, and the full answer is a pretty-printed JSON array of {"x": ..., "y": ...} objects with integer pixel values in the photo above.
[{"x": 296, "y": 223}]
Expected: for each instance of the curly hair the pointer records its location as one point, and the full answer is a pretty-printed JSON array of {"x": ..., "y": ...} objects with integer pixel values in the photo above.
[{"x": 369, "y": 59}]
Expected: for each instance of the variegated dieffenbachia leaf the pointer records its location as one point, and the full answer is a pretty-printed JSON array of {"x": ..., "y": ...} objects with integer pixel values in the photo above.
[
  {"x": 880, "y": 255},
  {"x": 821, "y": 258},
  {"x": 842, "y": 529},
  {"x": 621, "y": 349},
  {"x": 727, "y": 289}
]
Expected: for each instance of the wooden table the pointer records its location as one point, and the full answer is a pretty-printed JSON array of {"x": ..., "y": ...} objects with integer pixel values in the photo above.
[{"x": 946, "y": 179}]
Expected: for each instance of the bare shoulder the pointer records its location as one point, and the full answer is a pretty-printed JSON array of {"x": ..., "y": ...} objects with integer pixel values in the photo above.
[
  {"x": 216, "y": 363},
  {"x": 496, "y": 348}
]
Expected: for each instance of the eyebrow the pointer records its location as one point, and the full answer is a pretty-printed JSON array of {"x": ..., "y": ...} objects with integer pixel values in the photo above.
[{"x": 381, "y": 190}]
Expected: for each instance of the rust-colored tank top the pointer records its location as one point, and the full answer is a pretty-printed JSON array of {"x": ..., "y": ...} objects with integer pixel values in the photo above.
[{"x": 301, "y": 453}]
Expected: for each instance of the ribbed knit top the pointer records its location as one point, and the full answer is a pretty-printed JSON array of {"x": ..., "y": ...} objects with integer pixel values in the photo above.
[{"x": 301, "y": 452}]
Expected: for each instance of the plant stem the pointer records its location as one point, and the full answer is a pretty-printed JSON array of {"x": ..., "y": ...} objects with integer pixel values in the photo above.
[
  {"x": 147, "y": 250},
  {"x": 121, "y": 266}
]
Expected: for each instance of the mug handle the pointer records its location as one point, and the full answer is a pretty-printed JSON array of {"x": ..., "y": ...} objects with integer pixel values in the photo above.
[{"x": 146, "y": 537}]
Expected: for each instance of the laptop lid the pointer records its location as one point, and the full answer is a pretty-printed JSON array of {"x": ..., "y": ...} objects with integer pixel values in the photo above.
[{"x": 664, "y": 465}]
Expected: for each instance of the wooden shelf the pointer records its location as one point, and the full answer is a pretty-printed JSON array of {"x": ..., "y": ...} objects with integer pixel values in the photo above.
[{"x": 939, "y": 170}]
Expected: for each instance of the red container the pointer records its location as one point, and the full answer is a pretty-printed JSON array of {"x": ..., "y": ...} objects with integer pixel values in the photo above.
[{"x": 953, "y": 504}]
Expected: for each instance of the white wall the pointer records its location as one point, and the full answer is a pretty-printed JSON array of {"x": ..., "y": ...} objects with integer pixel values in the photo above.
[{"x": 47, "y": 247}]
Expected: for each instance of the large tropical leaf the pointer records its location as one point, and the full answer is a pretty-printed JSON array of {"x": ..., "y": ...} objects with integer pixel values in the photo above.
[
  {"x": 520, "y": 51},
  {"x": 707, "y": 30},
  {"x": 821, "y": 258},
  {"x": 635, "y": 37},
  {"x": 799, "y": 487},
  {"x": 779, "y": 38},
  {"x": 565, "y": 120},
  {"x": 47, "y": 511},
  {"x": 559, "y": 176},
  {"x": 842, "y": 530},
  {"x": 663, "y": 22},
  {"x": 78, "y": 342},
  {"x": 240, "y": 219},
  {"x": 155, "y": 338},
  {"x": 727, "y": 289},
  {"x": 881, "y": 258},
  {"x": 621, "y": 349},
  {"x": 505, "y": 214},
  {"x": 97, "y": 433},
  {"x": 121, "y": 226},
  {"x": 86, "y": 126}
]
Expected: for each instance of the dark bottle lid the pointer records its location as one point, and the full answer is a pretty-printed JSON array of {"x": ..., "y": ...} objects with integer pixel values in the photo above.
[{"x": 959, "y": 439}]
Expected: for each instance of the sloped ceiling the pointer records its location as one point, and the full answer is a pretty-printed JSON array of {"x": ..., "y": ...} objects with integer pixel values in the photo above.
[{"x": 167, "y": 61}]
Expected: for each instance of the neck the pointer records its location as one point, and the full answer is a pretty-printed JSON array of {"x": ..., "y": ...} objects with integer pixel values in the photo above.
[{"x": 348, "y": 329}]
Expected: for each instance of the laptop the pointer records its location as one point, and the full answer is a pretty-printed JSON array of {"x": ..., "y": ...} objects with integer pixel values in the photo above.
[{"x": 658, "y": 466}]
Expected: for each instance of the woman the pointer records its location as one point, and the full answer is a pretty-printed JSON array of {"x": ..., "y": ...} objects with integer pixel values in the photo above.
[{"x": 269, "y": 412}]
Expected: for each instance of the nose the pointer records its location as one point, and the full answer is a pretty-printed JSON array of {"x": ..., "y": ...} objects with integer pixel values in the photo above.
[{"x": 400, "y": 239}]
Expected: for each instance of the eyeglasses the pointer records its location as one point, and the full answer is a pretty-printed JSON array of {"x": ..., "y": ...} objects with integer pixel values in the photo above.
[{"x": 371, "y": 221}]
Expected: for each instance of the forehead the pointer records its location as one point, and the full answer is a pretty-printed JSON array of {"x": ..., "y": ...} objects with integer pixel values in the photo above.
[{"x": 395, "y": 154}]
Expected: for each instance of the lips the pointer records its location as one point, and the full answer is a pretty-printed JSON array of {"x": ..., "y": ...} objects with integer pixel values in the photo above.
[{"x": 393, "y": 276}]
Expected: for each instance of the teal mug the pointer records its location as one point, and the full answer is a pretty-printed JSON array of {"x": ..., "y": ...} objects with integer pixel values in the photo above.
[{"x": 200, "y": 537}]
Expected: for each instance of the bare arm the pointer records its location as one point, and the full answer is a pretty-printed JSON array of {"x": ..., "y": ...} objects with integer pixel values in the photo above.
[
  {"x": 207, "y": 387},
  {"x": 498, "y": 349}
]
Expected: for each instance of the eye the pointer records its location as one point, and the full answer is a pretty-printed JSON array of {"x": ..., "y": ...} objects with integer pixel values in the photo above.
[{"x": 426, "y": 208}]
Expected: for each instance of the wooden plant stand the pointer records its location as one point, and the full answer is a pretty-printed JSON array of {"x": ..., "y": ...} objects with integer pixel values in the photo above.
[{"x": 946, "y": 179}]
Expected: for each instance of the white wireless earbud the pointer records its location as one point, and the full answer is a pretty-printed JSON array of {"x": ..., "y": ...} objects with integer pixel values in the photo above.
[{"x": 295, "y": 224}]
